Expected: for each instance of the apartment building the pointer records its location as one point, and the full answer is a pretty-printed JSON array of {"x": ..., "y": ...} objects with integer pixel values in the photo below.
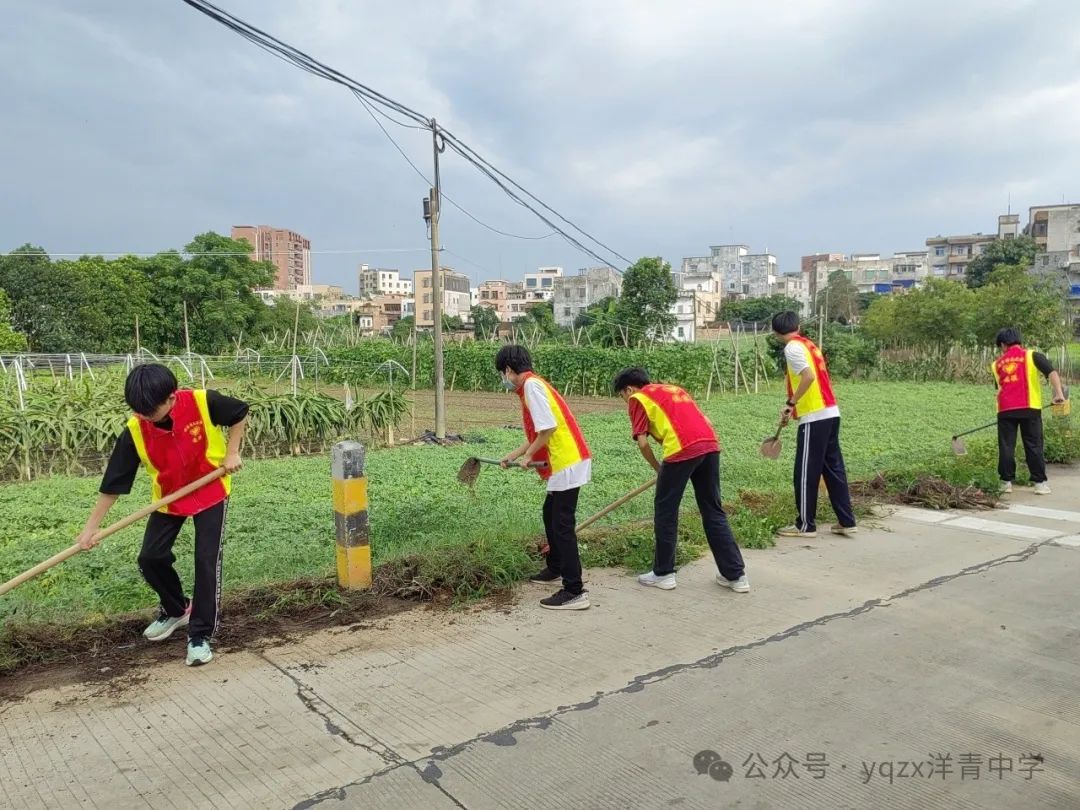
[
  {"x": 288, "y": 251},
  {"x": 540, "y": 286},
  {"x": 382, "y": 281},
  {"x": 742, "y": 274},
  {"x": 575, "y": 294},
  {"x": 456, "y": 296}
]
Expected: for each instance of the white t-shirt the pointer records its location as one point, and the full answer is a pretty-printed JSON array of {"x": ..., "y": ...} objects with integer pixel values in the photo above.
[
  {"x": 536, "y": 401},
  {"x": 797, "y": 361}
]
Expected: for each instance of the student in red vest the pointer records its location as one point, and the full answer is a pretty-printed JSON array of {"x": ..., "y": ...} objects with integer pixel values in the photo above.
[
  {"x": 691, "y": 453},
  {"x": 552, "y": 435},
  {"x": 817, "y": 452},
  {"x": 175, "y": 434},
  {"x": 1019, "y": 403}
]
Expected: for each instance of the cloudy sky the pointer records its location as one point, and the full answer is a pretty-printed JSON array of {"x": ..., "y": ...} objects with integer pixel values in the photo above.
[{"x": 659, "y": 127}]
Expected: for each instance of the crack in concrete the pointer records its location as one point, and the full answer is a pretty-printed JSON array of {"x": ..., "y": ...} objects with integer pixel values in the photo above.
[
  {"x": 310, "y": 700},
  {"x": 507, "y": 734}
]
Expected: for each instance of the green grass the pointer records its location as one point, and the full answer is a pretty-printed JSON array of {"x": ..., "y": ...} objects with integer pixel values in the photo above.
[{"x": 427, "y": 529}]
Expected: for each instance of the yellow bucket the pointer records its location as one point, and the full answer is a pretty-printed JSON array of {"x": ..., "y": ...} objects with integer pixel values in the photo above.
[{"x": 1061, "y": 409}]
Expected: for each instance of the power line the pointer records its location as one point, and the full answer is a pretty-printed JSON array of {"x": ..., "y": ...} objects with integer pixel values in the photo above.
[
  {"x": 424, "y": 177},
  {"x": 313, "y": 66},
  {"x": 93, "y": 253}
]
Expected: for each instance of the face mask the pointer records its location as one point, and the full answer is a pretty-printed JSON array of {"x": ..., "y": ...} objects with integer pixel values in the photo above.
[{"x": 509, "y": 386}]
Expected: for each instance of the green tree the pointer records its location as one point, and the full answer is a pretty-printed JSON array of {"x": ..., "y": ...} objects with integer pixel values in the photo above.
[
  {"x": 542, "y": 316},
  {"x": 840, "y": 298},
  {"x": 881, "y": 321},
  {"x": 757, "y": 310},
  {"x": 1013, "y": 297},
  {"x": 648, "y": 294},
  {"x": 938, "y": 314},
  {"x": 600, "y": 322},
  {"x": 10, "y": 340},
  {"x": 485, "y": 321},
  {"x": 276, "y": 320},
  {"x": 216, "y": 284},
  {"x": 402, "y": 329},
  {"x": 1020, "y": 251},
  {"x": 87, "y": 304},
  {"x": 452, "y": 323}
]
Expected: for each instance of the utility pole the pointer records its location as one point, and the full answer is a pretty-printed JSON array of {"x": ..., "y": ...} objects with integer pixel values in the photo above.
[{"x": 432, "y": 207}]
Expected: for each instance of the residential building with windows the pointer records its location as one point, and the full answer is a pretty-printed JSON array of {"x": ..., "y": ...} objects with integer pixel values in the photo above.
[
  {"x": 575, "y": 294},
  {"x": 288, "y": 251},
  {"x": 540, "y": 286},
  {"x": 456, "y": 296},
  {"x": 794, "y": 285},
  {"x": 382, "y": 281},
  {"x": 497, "y": 296},
  {"x": 949, "y": 256},
  {"x": 685, "y": 311},
  {"x": 699, "y": 277},
  {"x": 303, "y": 292},
  {"x": 380, "y": 313},
  {"x": 1056, "y": 230},
  {"x": 870, "y": 272},
  {"x": 742, "y": 274},
  {"x": 809, "y": 262}
]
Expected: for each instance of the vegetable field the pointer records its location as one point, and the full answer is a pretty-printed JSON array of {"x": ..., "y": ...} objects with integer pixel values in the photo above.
[
  {"x": 62, "y": 426},
  {"x": 432, "y": 532}
]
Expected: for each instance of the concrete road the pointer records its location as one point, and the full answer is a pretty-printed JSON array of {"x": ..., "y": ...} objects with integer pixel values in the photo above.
[{"x": 932, "y": 661}]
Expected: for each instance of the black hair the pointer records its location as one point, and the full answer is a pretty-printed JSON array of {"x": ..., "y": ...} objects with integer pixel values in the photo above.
[
  {"x": 515, "y": 358},
  {"x": 784, "y": 323},
  {"x": 637, "y": 377},
  {"x": 147, "y": 387},
  {"x": 1009, "y": 336}
]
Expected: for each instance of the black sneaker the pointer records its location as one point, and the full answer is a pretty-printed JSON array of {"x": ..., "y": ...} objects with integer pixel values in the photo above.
[
  {"x": 544, "y": 577},
  {"x": 564, "y": 600}
]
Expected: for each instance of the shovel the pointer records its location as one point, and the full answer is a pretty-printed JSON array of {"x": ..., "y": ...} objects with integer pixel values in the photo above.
[
  {"x": 770, "y": 448},
  {"x": 71, "y": 551},
  {"x": 470, "y": 470},
  {"x": 960, "y": 449}
]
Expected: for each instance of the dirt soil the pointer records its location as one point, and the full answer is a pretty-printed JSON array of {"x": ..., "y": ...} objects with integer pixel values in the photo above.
[{"x": 113, "y": 656}]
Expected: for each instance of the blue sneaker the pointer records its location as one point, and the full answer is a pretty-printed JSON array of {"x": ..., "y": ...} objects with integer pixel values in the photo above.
[{"x": 198, "y": 652}]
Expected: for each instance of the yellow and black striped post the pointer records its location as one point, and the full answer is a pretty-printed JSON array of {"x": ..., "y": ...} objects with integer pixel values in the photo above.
[{"x": 351, "y": 515}]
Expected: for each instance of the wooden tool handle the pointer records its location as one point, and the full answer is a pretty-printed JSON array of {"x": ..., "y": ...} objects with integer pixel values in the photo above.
[
  {"x": 113, "y": 529},
  {"x": 615, "y": 505},
  {"x": 534, "y": 464}
]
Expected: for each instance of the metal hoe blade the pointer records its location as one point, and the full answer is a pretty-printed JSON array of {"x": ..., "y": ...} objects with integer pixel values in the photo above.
[{"x": 469, "y": 471}]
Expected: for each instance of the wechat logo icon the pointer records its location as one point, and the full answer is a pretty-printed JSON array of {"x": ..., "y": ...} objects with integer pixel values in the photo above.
[{"x": 713, "y": 764}]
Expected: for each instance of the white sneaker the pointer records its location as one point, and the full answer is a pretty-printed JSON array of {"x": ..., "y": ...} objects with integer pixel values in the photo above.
[
  {"x": 794, "y": 531},
  {"x": 846, "y": 531},
  {"x": 740, "y": 585},
  {"x": 1042, "y": 488},
  {"x": 651, "y": 580},
  {"x": 1006, "y": 487},
  {"x": 165, "y": 625},
  {"x": 198, "y": 652}
]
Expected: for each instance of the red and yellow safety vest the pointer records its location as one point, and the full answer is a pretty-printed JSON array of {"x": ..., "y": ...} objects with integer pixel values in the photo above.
[
  {"x": 566, "y": 446},
  {"x": 1017, "y": 380},
  {"x": 675, "y": 420},
  {"x": 820, "y": 394},
  {"x": 174, "y": 458}
]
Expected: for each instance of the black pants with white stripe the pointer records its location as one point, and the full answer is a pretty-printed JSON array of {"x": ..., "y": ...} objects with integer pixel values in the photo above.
[
  {"x": 818, "y": 455},
  {"x": 156, "y": 564}
]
